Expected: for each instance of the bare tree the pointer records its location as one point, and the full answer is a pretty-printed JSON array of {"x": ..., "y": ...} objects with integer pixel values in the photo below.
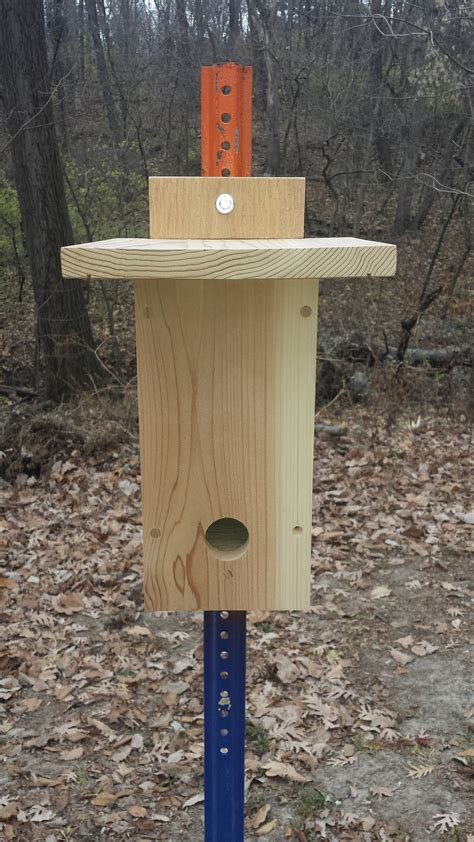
[{"x": 63, "y": 327}]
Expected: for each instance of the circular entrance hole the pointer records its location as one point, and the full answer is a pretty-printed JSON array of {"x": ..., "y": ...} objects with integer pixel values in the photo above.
[{"x": 228, "y": 538}]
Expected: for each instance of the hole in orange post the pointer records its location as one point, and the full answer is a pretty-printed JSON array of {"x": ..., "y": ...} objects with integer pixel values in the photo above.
[
  {"x": 226, "y": 97},
  {"x": 225, "y": 145}
]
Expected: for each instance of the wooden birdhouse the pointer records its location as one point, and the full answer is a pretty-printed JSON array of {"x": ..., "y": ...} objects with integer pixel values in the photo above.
[{"x": 226, "y": 294}]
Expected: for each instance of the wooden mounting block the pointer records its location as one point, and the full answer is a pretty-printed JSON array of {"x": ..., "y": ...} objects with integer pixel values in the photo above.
[{"x": 226, "y": 347}]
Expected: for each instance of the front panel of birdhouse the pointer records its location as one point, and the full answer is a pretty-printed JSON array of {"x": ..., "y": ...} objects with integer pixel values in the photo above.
[{"x": 226, "y": 375}]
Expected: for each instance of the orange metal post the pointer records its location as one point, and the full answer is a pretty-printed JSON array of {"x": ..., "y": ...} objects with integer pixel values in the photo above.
[{"x": 226, "y": 120}]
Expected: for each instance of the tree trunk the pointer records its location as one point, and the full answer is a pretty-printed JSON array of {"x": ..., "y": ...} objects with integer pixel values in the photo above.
[
  {"x": 104, "y": 78},
  {"x": 234, "y": 22},
  {"x": 264, "y": 16},
  {"x": 63, "y": 327},
  {"x": 410, "y": 133},
  {"x": 183, "y": 27},
  {"x": 57, "y": 26}
]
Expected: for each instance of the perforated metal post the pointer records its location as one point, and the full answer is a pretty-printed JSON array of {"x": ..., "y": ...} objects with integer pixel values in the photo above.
[
  {"x": 226, "y": 120},
  {"x": 226, "y": 140},
  {"x": 224, "y": 725}
]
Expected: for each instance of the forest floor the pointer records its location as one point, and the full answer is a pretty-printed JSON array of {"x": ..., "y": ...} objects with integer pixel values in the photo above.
[{"x": 359, "y": 712}]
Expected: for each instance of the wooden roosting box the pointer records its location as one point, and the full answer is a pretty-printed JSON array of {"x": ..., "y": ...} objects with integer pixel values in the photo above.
[{"x": 226, "y": 293}]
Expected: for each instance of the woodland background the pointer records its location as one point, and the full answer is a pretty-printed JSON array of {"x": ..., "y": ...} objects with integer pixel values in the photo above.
[
  {"x": 371, "y": 101},
  {"x": 359, "y": 712}
]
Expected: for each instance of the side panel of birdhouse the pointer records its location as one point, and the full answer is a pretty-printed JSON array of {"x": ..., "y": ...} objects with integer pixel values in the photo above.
[{"x": 226, "y": 391}]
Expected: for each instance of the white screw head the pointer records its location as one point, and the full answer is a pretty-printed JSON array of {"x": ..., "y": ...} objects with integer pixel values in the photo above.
[{"x": 225, "y": 203}]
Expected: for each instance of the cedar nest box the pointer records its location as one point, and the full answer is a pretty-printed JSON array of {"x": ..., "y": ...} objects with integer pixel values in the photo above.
[{"x": 226, "y": 295}]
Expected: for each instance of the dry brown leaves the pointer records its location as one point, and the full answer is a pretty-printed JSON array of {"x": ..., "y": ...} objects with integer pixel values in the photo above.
[{"x": 101, "y": 706}]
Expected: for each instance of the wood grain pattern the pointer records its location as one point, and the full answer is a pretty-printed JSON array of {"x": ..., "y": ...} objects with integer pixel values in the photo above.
[
  {"x": 264, "y": 207},
  {"x": 338, "y": 257},
  {"x": 226, "y": 389},
  {"x": 226, "y": 373},
  {"x": 226, "y": 348}
]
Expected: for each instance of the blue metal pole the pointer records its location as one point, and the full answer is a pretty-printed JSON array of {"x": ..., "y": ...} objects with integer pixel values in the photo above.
[{"x": 224, "y": 725}]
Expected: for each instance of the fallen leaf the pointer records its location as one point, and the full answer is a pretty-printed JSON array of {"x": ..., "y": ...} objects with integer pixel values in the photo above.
[
  {"x": 103, "y": 799},
  {"x": 423, "y": 648},
  {"x": 380, "y": 591},
  {"x": 9, "y": 810},
  {"x": 260, "y": 816},
  {"x": 38, "y": 813},
  {"x": 103, "y": 728},
  {"x": 183, "y": 665},
  {"x": 30, "y": 705},
  {"x": 406, "y": 642},
  {"x": 446, "y": 821},
  {"x": 382, "y": 791},
  {"x": 266, "y": 828},
  {"x": 8, "y": 686},
  {"x": 287, "y": 670},
  {"x": 419, "y": 771},
  {"x": 137, "y": 812},
  {"x": 367, "y": 823},
  {"x": 75, "y": 735},
  {"x": 137, "y": 742},
  {"x": 196, "y": 799},
  {"x": 72, "y": 754},
  {"x": 465, "y": 757},
  {"x": 68, "y": 603},
  {"x": 420, "y": 549},
  {"x": 275, "y": 769},
  {"x": 139, "y": 631},
  {"x": 343, "y": 760},
  {"x": 449, "y": 586},
  {"x": 122, "y": 753},
  {"x": 51, "y": 782},
  {"x": 62, "y": 693},
  {"x": 7, "y": 582},
  {"x": 400, "y": 657}
]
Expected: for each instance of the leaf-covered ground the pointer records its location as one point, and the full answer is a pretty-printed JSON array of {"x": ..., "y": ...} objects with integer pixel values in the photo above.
[{"x": 358, "y": 712}]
